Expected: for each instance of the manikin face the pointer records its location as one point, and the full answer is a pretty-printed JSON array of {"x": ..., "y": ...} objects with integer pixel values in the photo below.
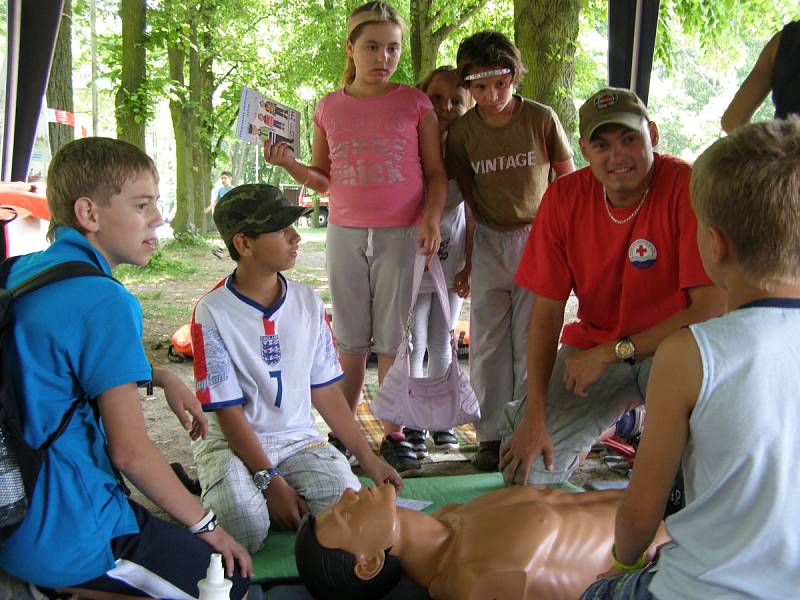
[
  {"x": 376, "y": 52},
  {"x": 361, "y": 523},
  {"x": 493, "y": 95},
  {"x": 276, "y": 251},
  {"x": 449, "y": 99},
  {"x": 126, "y": 227},
  {"x": 621, "y": 158}
]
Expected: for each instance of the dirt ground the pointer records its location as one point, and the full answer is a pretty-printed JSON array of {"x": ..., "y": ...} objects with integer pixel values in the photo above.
[{"x": 167, "y": 303}]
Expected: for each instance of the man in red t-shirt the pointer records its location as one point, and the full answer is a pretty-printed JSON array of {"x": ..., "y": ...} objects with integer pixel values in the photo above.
[{"x": 620, "y": 233}]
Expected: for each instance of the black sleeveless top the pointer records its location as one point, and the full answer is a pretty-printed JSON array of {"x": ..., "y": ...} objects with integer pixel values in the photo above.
[{"x": 786, "y": 73}]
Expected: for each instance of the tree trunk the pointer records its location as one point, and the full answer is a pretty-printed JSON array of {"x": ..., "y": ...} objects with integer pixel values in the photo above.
[
  {"x": 183, "y": 221},
  {"x": 418, "y": 11},
  {"x": 428, "y": 32},
  {"x": 59, "y": 86},
  {"x": 546, "y": 32},
  {"x": 131, "y": 98},
  {"x": 198, "y": 200}
]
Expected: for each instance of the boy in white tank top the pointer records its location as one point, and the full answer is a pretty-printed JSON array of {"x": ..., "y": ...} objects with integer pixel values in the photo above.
[{"x": 721, "y": 400}]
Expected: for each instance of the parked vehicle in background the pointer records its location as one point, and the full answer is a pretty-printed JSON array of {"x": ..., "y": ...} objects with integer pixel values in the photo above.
[{"x": 308, "y": 200}]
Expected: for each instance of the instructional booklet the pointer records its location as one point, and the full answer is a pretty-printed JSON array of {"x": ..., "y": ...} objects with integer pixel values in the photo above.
[{"x": 261, "y": 118}]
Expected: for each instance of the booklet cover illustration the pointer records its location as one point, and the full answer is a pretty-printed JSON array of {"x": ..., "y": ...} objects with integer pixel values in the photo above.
[{"x": 261, "y": 118}]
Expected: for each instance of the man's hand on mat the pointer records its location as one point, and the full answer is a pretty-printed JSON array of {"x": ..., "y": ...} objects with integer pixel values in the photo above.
[
  {"x": 528, "y": 442},
  {"x": 186, "y": 407},
  {"x": 582, "y": 369},
  {"x": 231, "y": 551},
  {"x": 286, "y": 507},
  {"x": 381, "y": 472}
]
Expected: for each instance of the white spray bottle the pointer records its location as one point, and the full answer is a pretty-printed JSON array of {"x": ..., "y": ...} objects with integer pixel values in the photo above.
[{"x": 215, "y": 586}]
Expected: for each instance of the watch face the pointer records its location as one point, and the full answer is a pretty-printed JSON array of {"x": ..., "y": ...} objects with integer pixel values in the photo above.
[
  {"x": 624, "y": 349},
  {"x": 261, "y": 479}
]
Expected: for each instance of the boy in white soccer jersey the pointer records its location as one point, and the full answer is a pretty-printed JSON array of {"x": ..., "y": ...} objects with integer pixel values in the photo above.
[{"x": 263, "y": 354}]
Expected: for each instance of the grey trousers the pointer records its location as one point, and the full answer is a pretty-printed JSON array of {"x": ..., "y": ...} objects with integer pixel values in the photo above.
[
  {"x": 575, "y": 423},
  {"x": 499, "y": 315}
]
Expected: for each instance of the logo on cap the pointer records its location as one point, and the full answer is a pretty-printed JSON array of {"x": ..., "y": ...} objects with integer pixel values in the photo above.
[{"x": 605, "y": 100}]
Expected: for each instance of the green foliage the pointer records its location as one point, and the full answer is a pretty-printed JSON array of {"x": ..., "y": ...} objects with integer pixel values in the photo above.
[
  {"x": 716, "y": 26},
  {"x": 294, "y": 52},
  {"x": 184, "y": 241},
  {"x": 160, "y": 266},
  {"x": 497, "y": 15}
]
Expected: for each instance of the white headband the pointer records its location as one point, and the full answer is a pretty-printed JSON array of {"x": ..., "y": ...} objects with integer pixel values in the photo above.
[
  {"x": 369, "y": 16},
  {"x": 484, "y": 74}
]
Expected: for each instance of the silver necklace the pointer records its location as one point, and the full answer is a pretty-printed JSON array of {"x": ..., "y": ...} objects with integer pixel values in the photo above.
[{"x": 630, "y": 216}]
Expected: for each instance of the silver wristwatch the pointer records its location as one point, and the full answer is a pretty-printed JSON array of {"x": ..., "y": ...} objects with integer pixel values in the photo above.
[{"x": 262, "y": 479}]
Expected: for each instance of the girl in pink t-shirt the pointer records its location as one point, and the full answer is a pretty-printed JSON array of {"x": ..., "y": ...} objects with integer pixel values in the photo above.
[{"x": 376, "y": 148}]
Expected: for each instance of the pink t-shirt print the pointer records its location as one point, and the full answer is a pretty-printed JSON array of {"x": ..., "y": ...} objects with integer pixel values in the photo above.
[{"x": 376, "y": 173}]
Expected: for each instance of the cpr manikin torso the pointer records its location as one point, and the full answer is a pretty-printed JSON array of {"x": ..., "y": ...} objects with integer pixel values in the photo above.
[{"x": 518, "y": 543}]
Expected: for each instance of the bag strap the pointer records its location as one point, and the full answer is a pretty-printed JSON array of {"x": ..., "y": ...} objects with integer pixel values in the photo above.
[
  {"x": 59, "y": 272},
  {"x": 437, "y": 274}
]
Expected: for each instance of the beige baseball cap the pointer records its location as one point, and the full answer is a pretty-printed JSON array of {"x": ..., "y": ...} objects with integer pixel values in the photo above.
[{"x": 619, "y": 106}]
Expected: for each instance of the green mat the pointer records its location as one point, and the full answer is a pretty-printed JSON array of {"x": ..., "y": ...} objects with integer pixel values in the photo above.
[{"x": 275, "y": 561}]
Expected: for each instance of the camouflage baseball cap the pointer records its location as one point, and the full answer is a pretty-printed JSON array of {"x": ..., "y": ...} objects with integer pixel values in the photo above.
[
  {"x": 254, "y": 208},
  {"x": 619, "y": 106}
]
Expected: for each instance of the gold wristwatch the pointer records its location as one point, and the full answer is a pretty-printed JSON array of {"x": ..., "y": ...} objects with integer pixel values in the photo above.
[{"x": 625, "y": 350}]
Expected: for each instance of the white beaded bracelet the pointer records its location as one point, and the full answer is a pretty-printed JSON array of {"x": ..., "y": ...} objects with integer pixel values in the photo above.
[{"x": 202, "y": 525}]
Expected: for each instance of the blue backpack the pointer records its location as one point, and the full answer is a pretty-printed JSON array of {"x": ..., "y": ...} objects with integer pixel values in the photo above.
[{"x": 20, "y": 462}]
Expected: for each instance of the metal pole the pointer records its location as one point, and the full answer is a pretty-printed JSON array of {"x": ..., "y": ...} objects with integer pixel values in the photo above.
[
  {"x": 637, "y": 42},
  {"x": 12, "y": 78}
]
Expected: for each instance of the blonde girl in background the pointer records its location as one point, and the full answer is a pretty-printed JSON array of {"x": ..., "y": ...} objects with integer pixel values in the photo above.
[
  {"x": 431, "y": 332},
  {"x": 376, "y": 149}
]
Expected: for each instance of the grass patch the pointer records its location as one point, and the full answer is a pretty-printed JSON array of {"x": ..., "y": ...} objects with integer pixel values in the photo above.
[
  {"x": 184, "y": 241},
  {"x": 312, "y": 246},
  {"x": 169, "y": 313},
  {"x": 160, "y": 266}
]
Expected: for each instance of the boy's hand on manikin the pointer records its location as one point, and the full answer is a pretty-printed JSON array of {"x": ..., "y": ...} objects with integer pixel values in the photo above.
[
  {"x": 278, "y": 154},
  {"x": 286, "y": 507},
  {"x": 380, "y": 472}
]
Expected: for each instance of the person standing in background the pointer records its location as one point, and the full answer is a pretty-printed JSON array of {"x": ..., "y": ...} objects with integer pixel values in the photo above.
[{"x": 777, "y": 69}]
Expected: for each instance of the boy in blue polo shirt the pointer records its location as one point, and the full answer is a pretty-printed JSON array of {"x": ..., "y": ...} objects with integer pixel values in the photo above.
[{"x": 83, "y": 335}]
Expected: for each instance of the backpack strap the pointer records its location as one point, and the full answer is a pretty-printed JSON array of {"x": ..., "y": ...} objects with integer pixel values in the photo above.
[
  {"x": 58, "y": 272},
  {"x": 65, "y": 270}
]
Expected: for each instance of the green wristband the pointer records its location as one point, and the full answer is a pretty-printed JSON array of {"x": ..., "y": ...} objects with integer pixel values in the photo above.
[{"x": 628, "y": 568}]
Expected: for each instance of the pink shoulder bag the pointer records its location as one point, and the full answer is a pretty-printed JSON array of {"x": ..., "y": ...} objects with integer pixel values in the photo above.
[{"x": 426, "y": 403}]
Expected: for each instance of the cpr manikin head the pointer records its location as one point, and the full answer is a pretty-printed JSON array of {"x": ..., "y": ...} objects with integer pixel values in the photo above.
[{"x": 344, "y": 551}]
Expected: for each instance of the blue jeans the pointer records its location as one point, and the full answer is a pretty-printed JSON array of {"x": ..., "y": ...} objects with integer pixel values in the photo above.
[{"x": 633, "y": 586}]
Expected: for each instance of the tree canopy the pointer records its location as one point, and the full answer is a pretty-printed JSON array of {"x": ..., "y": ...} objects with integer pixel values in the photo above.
[{"x": 171, "y": 71}]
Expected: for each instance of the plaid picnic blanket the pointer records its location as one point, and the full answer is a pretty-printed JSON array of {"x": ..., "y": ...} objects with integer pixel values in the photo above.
[{"x": 373, "y": 431}]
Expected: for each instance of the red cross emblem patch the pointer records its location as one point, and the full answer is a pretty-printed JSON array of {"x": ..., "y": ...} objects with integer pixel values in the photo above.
[{"x": 642, "y": 254}]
